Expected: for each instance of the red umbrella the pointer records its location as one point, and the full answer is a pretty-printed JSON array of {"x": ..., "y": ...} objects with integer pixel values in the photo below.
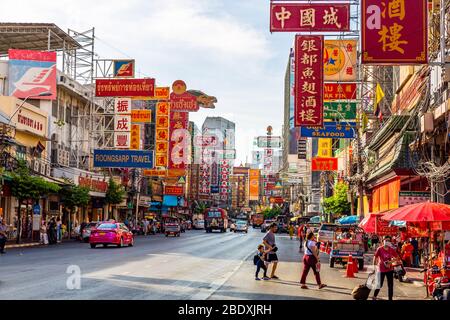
[
  {"x": 373, "y": 224},
  {"x": 420, "y": 212}
]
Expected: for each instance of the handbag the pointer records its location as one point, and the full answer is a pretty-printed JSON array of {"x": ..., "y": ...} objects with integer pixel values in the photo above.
[{"x": 256, "y": 258}]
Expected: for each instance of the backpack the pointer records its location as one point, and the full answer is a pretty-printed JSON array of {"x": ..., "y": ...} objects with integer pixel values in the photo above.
[
  {"x": 361, "y": 292},
  {"x": 256, "y": 258}
]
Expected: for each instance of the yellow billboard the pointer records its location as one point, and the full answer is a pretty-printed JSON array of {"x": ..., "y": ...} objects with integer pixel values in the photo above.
[
  {"x": 254, "y": 184},
  {"x": 340, "y": 58}
]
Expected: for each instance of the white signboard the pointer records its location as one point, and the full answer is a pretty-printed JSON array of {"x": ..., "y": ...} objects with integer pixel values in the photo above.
[{"x": 122, "y": 106}]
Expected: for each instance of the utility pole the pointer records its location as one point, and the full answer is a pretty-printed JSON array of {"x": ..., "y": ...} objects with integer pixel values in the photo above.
[{"x": 360, "y": 174}]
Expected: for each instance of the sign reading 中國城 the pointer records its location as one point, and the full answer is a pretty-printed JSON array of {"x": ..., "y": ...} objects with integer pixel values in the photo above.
[
  {"x": 32, "y": 73},
  {"x": 394, "y": 31},
  {"x": 324, "y": 164},
  {"x": 337, "y": 91},
  {"x": 123, "y": 159},
  {"x": 308, "y": 81},
  {"x": 123, "y": 68},
  {"x": 339, "y": 110},
  {"x": 124, "y": 87},
  {"x": 295, "y": 17},
  {"x": 342, "y": 130},
  {"x": 340, "y": 58}
]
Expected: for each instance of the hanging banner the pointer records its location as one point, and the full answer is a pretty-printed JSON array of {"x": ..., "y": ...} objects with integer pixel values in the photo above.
[
  {"x": 122, "y": 140},
  {"x": 309, "y": 81},
  {"x": 124, "y": 87},
  {"x": 123, "y": 159},
  {"x": 394, "y": 32},
  {"x": 325, "y": 148},
  {"x": 123, "y": 68},
  {"x": 173, "y": 190},
  {"x": 162, "y": 134},
  {"x": 254, "y": 184},
  {"x": 342, "y": 130},
  {"x": 335, "y": 91},
  {"x": 135, "y": 137},
  {"x": 341, "y": 110},
  {"x": 340, "y": 58},
  {"x": 154, "y": 173},
  {"x": 181, "y": 100},
  {"x": 324, "y": 164},
  {"x": 141, "y": 116},
  {"x": 32, "y": 73},
  {"x": 294, "y": 17}
]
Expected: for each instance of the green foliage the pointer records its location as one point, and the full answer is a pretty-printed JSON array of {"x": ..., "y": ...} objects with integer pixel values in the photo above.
[
  {"x": 115, "y": 193},
  {"x": 200, "y": 208},
  {"x": 26, "y": 186},
  {"x": 74, "y": 196},
  {"x": 271, "y": 213},
  {"x": 338, "y": 203}
]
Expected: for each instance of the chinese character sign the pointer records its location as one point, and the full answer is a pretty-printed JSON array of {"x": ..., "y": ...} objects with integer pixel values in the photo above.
[
  {"x": 340, "y": 57},
  {"x": 325, "y": 148},
  {"x": 122, "y": 106},
  {"x": 337, "y": 91},
  {"x": 162, "y": 134},
  {"x": 394, "y": 31},
  {"x": 309, "y": 81},
  {"x": 290, "y": 17},
  {"x": 179, "y": 140},
  {"x": 135, "y": 137},
  {"x": 324, "y": 164}
]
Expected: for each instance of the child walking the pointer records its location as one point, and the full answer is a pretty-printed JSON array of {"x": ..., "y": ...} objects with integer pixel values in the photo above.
[{"x": 260, "y": 263}]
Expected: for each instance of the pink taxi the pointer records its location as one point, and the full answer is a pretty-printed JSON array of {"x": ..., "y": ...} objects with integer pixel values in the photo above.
[{"x": 111, "y": 233}]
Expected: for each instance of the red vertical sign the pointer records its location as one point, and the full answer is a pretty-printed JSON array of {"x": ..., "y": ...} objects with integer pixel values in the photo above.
[
  {"x": 178, "y": 145},
  {"x": 309, "y": 81}
]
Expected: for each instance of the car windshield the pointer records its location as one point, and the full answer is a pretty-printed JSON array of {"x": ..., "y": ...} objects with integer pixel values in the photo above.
[
  {"x": 241, "y": 222},
  {"x": 328, "y": 227},
  {"x": 107, "y": 226}
]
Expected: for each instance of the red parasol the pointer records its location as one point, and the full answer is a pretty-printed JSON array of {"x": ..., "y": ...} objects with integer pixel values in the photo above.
[
  {"x": 373, "y": 224},
  {"x": 420, "y": 212}
]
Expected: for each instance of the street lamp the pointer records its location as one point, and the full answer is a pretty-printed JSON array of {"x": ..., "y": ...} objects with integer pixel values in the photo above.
[{"x": 42, "y": 94}]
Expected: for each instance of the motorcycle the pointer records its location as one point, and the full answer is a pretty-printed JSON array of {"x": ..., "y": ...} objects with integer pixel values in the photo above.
[
  {"x": 437, "y": 282},
  {"x": 399, "y": 270}
]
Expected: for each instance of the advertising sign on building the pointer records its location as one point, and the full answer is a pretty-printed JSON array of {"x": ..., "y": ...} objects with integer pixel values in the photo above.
[
  {"x": 410, "y": 197},
  {"x": 325, "y": 148},
  {"x": 173, "y": 190},
  {"x": 141, "y": 116},
  {"x": 135, "y": 137},
  {"x": 154, "y": 173},
  {"x": 324, "y": 164},
  {"x": 32, "y": 73},
  {"x": 301, "y": 150},
  {"x": 336, "y": 91},
  {"x": 162, "y": 134},
  {"x": 123, "y": 159},
  {"x": 269, "y": 142},
  {"x": 181, "y": 100},
  {"x": 125, "y": 87},
  {"x": 179, "y": 141},
  {"x": 254, "y": 175},
  {"x": 342, "y": 130},
  {"x": 122, "y": 140},
  {"x": 340, "y": 110},
  {"x": 295, "y": 17},
  {"x": 122, "y": 106},
  {"x": 394, "y": 31},
  {"x": 340, "y": 58},
  {"x": 123, "y": 68},
  {"x": 309, "y": 81}
]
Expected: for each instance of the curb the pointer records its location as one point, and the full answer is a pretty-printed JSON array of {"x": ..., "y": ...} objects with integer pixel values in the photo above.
[{"x": 25, "y": 245}]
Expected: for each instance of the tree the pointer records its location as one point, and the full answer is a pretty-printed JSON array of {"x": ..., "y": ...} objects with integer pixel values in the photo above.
[
  {"x": 338, "y": 204},
  {"x": 28, "y": 187},
  {"x": 271, "y": 213},
  {"x": 200, "y": 208},
  {"x": 114, "y": 194},
  {"x": 74, "y": 197}
]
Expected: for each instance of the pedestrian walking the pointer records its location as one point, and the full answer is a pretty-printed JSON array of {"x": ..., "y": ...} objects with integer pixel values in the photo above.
[
  {"x": 58, "y": 229},
  {"x": 3, "y": 236},
  {"x": 52, "y": 238},
  {"x": 311, "y": 261},
  {"x": 383, "y": 261},
  {"x": 291, "y": 231},
  {"x": 43, "y": 233},
  {"x": 260, "y": 263},
  {"x": 271, "y": 249},
  {"x": 146, "y": 223},
  {"x": 415, "y": 245}
]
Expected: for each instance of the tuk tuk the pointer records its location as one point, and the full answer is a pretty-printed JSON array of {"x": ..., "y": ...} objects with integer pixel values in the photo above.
[
  {"x": 172, "y": 227},
  {"x": 347, "y": 240}
]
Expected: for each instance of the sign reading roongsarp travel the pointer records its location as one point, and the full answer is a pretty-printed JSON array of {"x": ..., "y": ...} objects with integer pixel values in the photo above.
[{"x": 123, "y": 159}]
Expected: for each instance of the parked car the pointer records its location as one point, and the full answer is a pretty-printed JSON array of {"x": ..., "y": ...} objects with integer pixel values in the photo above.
[
  {"x": 241, "y": 226},
  {"x": 266, "y": 224},
  {"x": 172, "y": 228},
  {"x": 199, "y": 224},
  {"x": 326, "y": 232},
  {"x": 111, "y": 233},
  {"x": 86, "y": 234}
]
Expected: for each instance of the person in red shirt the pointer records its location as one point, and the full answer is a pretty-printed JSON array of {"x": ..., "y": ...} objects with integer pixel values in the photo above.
[
  {"x": 407, "y": 253},
  {"x": 382, "y": 259}
]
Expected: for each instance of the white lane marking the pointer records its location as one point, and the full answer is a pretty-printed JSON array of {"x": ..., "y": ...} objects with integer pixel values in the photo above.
[{"x": 216, "y": 285}]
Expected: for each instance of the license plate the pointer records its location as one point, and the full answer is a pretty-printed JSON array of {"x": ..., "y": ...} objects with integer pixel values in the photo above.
[{"x": 102, "y": 233}]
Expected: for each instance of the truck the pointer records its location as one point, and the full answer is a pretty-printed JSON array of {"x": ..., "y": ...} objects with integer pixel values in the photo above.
[
  {"x": 216, "y": 219},
  {"x": 257, "y": 220}
]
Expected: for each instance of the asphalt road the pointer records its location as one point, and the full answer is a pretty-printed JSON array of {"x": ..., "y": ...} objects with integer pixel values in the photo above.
[{"x": 196, "y": 265}]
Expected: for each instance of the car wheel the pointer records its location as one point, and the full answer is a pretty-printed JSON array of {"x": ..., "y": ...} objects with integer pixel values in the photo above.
[
  {"x": 332, "y": 260},
  {"x": 93, "y": 245},
  {"x": 131, "y": 242},
  {"x": 105, "y": 245},
  {"x": 120, "y": 245}
]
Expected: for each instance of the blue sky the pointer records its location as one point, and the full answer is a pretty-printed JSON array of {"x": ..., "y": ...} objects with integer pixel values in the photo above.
[{"x": 222, "y": 47}]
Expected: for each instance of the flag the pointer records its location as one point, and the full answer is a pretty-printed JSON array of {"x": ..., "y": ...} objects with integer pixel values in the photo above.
[
  {"x": 378, "y": 97},
  {"x": 365, "y": 121}
]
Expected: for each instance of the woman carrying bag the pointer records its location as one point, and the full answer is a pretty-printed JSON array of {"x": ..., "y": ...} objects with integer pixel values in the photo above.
[{"x": 311, "y": 261}]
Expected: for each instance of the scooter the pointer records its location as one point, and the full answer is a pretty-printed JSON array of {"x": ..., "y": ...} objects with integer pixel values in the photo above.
[
  {"x": 399, "y": 270},
  {"x": 438, "y": 284}
]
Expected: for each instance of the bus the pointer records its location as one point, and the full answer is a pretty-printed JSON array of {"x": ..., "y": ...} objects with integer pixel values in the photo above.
[{"x": 216, "y": 219}]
